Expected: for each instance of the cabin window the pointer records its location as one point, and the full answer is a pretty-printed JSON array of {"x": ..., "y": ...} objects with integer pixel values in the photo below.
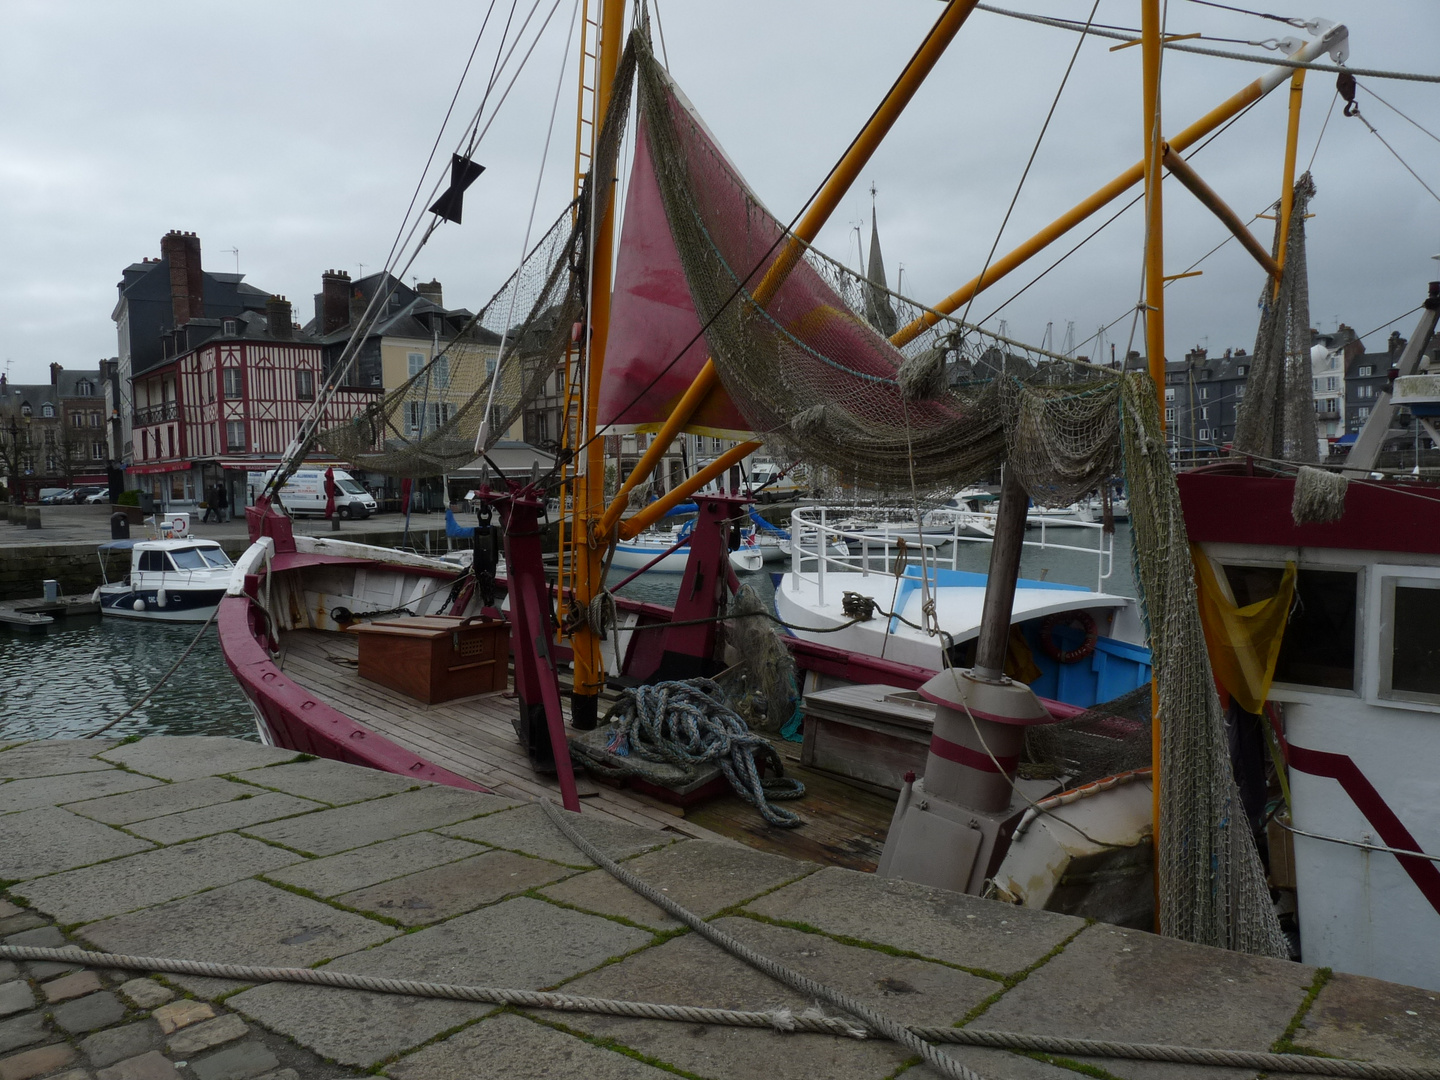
[
  {"x": 1320, "y": 638},
  {"x": 1410, "y": 640},
  {"x": 153, "y": 562},
  {"x": 304, "y": 385}
]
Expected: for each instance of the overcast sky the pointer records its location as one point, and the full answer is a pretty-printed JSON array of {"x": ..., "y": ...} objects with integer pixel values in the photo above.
[{"x": 296, "y": 133}]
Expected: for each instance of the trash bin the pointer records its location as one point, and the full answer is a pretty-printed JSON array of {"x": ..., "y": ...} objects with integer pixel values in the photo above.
[{"x": 119, "y": 527}]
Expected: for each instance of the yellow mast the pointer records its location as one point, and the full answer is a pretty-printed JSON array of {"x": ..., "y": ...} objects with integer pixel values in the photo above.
[
  {"x": 585, "y": 553},
  {"x": 1287, "y": 193}
]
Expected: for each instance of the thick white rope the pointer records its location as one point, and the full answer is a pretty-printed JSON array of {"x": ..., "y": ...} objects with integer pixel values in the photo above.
[{"x": 781, "y": 1020}]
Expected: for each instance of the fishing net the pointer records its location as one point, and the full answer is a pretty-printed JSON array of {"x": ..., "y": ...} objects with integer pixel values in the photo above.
[
  {"x": 517, "y": 341},
  {"x": 1276, "y": 419},
  {"x": 789, "y": 334},
  {"x": 1106, "y": 740}
]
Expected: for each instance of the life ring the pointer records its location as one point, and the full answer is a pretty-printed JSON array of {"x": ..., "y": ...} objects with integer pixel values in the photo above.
[{"x": 1051, "y": 646}]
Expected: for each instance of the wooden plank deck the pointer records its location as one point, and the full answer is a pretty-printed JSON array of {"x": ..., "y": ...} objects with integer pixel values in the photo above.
[{"x": 474, "y": 737}]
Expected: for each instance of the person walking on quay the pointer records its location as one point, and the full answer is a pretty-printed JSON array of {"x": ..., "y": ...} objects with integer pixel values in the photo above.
[
  {"x": 221, "y": 502},
  {"x": 210, "y": 507}
]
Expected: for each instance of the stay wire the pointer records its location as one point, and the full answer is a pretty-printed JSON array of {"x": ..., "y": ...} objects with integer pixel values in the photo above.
[
  {"x": 1034, "y": 151},
  {"x": 1361, "y": 117},
  {"x": 1328, "y": 112},
  {"x": 1397, "y": 112},
  {"x": 1247, "y": 11}
]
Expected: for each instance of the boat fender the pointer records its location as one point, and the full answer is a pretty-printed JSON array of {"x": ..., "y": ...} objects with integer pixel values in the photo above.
[
  {"x": 139, "y": 604},
  {"x": 160, "y": 598},
  {"x": 1080, "y": 619}
]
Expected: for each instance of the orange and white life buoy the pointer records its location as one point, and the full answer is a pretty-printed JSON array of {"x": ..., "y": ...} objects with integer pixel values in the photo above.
[{"x": 1079, "y": 619}]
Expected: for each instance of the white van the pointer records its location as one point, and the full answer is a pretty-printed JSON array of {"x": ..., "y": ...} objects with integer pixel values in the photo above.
[{"x": 304, "y": 493}]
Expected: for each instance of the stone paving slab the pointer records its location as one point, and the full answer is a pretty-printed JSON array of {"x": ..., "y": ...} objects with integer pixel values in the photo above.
[
  {"x": 153, "y": 877},
  {"x": 116, "y": 1044},
  {"x": 52, "y": 757},
  {"x": 59, "y": 790},
  {"x": 691, "y": 971},
  {"x": 332, "y": 831},
  {"x": 248, "y": 922},
  {"x": 162, "y": 800},
  {"x": 332, "y": 782},
  {"x": 704, "y": 877},
  {"x": 508, "y": 1046},
  {"x": 527, "y": 829},
  {"x": 519, "y": 943},
  {"x": 249, "y": 809},
  {"x": 47, "y": 840},
  {"x": 1132, "y": 986},
  {"x": 958, "y": 929},
  {"x": 454, "y": 888},
  {"x": 1365, "y": 1018},
  {"x": 371, "y": 865},
  {"x": 188, "y": 757}
]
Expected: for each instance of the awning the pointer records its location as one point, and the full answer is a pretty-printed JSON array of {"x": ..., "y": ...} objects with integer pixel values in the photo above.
[
  {"x": 163, "y": 467},
  {"x": 1347, "y": 439}
]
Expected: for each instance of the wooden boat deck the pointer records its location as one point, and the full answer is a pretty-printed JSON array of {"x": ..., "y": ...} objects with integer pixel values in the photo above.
[{"x": 474, "y": 737}]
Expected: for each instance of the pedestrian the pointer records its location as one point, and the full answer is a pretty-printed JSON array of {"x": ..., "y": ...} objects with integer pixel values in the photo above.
[
  {"x": 221, "y": 502},
  {"x": 209, "y": 506}
]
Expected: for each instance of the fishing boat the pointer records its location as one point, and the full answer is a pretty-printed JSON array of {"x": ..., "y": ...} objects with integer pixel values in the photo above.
[
  {"x": 804, "y": 317},
  {"x": 168, "y": 580}
]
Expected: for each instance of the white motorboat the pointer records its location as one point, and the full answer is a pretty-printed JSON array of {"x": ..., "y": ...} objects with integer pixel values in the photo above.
[{"x": 175, "y": 580}]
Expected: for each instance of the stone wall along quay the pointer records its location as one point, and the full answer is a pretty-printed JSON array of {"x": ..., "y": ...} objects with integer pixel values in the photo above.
[{"x": 226, "y": 851}]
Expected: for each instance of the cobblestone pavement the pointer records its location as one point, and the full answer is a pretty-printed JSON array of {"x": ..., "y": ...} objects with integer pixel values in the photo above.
[{"x": 212, "y": 849}]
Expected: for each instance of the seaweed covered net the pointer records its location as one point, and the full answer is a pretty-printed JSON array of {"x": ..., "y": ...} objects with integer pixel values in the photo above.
[
  {"x": 1110, "y": 738},
  {"x": 516, "y": 342},
  {"x": 947, "y": 405},
  {"x": 1277, "y": 417}
]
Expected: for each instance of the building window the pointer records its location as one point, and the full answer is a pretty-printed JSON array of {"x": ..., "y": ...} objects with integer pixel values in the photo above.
[
  {"x": 1314, "y": 384},
  {"x": 229, "y": 329},
  {"x": 1169, "y": 393},
  {"x": 1241, "y": 370},
  {"x": 1367, "y": 391},
  {"x": 47, "y": 410},
  {"x": 1169, "y": 416},
  {"x": 304, "y": 385},
  {"x": 170, "y": 433},
  {"x": 1204, "y": 393},
  {"x": 436, "y": 414},
  {"x": 1203, "y": 434},
  {"x": 235, "y": 436},
  {"x": 232, "y": 383},
  {"x": 1366, "y": 369},
  {"x": 84, "y": 388},
  {"x": 1239, "y": 393},
  {"x": 1362, "y": 412},
  {"x": 25, "y": 409},
  {"x": 97, "y": 451},
  {"x": 1330, "y": 383},
  {"x": 94, "y": 419},
  {"x": 416, "y": 363}
]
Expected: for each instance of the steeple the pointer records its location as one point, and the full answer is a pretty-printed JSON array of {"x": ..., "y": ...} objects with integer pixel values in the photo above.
[{"x": 879, "y": 312}]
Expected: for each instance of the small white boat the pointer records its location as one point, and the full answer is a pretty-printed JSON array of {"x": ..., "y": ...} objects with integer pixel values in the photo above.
[{"x": 175, "y": 580}]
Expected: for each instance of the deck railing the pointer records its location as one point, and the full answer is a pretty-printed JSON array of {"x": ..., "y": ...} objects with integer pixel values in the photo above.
[{"x": 831, "y": 539}]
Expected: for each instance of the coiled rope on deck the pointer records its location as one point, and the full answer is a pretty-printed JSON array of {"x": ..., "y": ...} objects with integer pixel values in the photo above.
[
  {"x": 686, "y": 723},
  {"x": 780, "y": 1020}
]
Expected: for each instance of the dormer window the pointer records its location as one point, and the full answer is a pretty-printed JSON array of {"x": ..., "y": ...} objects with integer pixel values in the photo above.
[
  {"x": 1241, "y": 370},
  {"x": 84, "y": 389},
  {"x": 230, "y": 327},
  {"x": 47, "y": 411},
  {"x": 25, "y": 409}
]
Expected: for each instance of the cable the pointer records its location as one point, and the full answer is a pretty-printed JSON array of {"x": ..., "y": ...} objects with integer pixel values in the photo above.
[
  {"x": 1247, "y": 11},
  {"x": 1333, "y": 98},
  {"x": 173, "y": 668},
  {"x": 1071, "y": 24},
  {"x": 1034, "y": 150},
  {"x": 1360, "y": 116},
  {"x": 1398, "y": 113}
]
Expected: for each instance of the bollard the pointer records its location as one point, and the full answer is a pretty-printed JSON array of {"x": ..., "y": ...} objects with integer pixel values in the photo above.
[
  {"x": 32, "y": 517},
  {"x": 16, "y": 513},
  {"x": 335, "y": 523}
]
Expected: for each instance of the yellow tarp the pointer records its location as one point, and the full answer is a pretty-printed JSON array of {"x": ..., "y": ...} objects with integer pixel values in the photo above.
[{"x": 1243, "y": 642}]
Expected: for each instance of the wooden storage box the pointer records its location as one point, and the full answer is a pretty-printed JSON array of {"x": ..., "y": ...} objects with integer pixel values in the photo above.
[
  {"x": 437, "y": 658},
  {"x": 871, "y": 735}
]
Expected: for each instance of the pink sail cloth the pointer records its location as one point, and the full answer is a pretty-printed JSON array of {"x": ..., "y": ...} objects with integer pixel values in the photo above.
[{"x": 651, "y": 319}]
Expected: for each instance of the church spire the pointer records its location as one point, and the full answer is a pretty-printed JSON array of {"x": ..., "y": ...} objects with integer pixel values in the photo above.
[{"x": 879, "y": 312}]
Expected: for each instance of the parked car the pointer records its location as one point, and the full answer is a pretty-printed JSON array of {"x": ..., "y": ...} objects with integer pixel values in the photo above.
[
  {"x": 64, "y": 495},
  {"x": 101, "y": 496},
  {"x": 82, "y": 494}
]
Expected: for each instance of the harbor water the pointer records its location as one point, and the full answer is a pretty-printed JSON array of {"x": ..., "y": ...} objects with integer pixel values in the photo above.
[{"x": 84, "y": 672}]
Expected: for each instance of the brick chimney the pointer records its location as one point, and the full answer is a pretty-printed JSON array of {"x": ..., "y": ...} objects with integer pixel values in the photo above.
[
  {"x": 431, "y": 291},
  {"x": 277, "y": 318},
  {"x": 55, "y": 370},
  {"x": 334, "y": 300},
  {"x": 187, "y": 284}
]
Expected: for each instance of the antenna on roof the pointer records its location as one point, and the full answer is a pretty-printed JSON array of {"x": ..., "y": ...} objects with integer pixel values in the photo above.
[
  {"x": 236, "y": 252},
  {"x": 362, "y": 269}
]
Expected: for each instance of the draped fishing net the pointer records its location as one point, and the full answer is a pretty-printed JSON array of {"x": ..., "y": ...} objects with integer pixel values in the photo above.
[
  {"x": 946, "y": 406},
  {"x": 517, "y": 341},
  {"x": 1277, "y": 417}
]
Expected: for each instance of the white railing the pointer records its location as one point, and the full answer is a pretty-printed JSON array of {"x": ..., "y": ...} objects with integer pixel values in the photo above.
[{"x": 867, "y": 541}]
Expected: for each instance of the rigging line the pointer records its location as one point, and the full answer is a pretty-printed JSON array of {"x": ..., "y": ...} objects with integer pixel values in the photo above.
[
  {"x": 786, "y": 233},
  {"x": 441, "y": 133},
  {"x": 1360, "y": 116},
  {"x": 1398, "y": 113},
  {"x": 664, "y": 54},
  {"x": 1034, "y": 150},
  {"x": 1333, "y": 98},
  {"x": 1247, "y": 11},
  {"x": 495, "y": 67},
  {"x": 1223, "y": 54},
  {"x": 1107, "y": 223},
  {"x": 529, "y": 225}
]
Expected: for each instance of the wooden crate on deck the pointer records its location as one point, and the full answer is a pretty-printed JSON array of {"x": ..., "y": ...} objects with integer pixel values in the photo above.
[
  {"x": 437, "y": 658},
  {"x": 871, "y": 735}
]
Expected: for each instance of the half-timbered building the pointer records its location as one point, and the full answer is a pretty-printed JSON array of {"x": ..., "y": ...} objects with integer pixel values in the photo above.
[{"x": 225, "y": 402}]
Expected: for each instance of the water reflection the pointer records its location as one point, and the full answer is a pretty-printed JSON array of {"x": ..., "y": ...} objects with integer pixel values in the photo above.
[{"x": 83, "y": 672}]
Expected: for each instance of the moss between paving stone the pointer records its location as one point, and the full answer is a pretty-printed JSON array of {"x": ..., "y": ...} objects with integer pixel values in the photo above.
[
  {"x": 1285, "y": 1044},
  {"x": 1009, "y": 982},
  {"x": 618, "y": 1047}
]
